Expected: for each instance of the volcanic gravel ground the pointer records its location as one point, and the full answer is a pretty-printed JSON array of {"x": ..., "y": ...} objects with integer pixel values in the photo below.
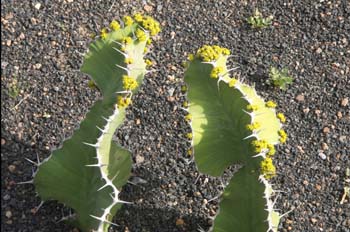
[{"x": 44, "y": 97}]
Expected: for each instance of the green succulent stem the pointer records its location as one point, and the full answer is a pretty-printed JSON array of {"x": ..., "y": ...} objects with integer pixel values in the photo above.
[
  {"x": 231, "y": 124},
  {"x": 89, "y": 170}
]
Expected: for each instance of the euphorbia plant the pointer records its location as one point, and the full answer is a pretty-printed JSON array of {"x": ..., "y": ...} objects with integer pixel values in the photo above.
[
  {"x": 87, "y": 172},
  {"x": 231, "y": 124}
]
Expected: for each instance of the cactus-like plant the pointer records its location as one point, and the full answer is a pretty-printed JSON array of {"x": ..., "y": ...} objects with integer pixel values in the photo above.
[
  {"x": 231, "y": 124},
  {"x": 87, "y": 172}
]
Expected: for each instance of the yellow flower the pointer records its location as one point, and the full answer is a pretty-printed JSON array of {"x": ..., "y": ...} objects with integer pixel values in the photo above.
[
  {"x": 267, "y": 168},
  {"x": 148, "y": 62},
  {"x": 151, "y": 25},
  {"x": 129, "y": 83},
  {"x": 138, "y": 17},
  {"x": 128, "y": 20},
  {"x": 123, "y": 102},
  {"x": 215, "y": 72},
  {"x": 183, "y": 88},
  {"x": 283, "y": 136},
  {"x": 149, "y": 41},
  {"x": 281, "y": 117},
  {"x": 129, "y": 60},
  {"x": 114, "y": 25},
  {"x": 272, "y": 150},
  {"x": 188, "y": 117},
  {"x": 185, "y": 104},
  {"x": 211, "y": 53},
  {"x": 141, "y": 35},
  {"x": 253, "y": 126},
  {"x": 271, "y": 104},
  {"x": 259, "y": 145},
  {"x": 104, "y": 33},
  {"x": 189, "y": 135},
  {"x": 91, "y": 84},
  {"x": 127, "y": 40},
  {"x": 252, "y": 107},
  {"x": 232, "y": 82},
  {"x": 190, "y": 57},
  {"x": 189, "y": 152}
]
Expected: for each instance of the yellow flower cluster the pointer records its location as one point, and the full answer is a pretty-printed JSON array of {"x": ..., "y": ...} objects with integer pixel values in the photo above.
[
  {"x": 149, "y": 23},
  {"x": 185, "y": 104},
  {"x": 189, "y": 152},
  {"x": 148, "y": 62},
  {"x": 114, "y": 25},
  {"x": 149, "y": 41},
  {"x": 252, "y": 107},
  {"x": 129, "y": 83},
  {"x": 283, "y": 136},
  {"x": 272, "y": 150},
  {"x": 128, "y": 20},
  {"x": 127, "y": 40},
  {"x": 211, "y": 53},
  {"x": 138, "y": 17},
  {"x": 104, "y": 33},
  {"x": 183, "y": 88},
  {"x": 129, "y": 60},
  {"x": 189, "y": 135},
  {"x": 232, "y": 82},
  {"x": 215, "y": 72},
  {"x": 141, "y": 35},
  {"x": 271, "y": 104},
  {"x": 267, "y": 168},
  {"x": 253, "y": 126},
  {"x": 188, "y": 117},
  {"x": 190, "y": 57},
  {"x": 259, "y": 145},
  {"x": 123, "y": 102},
  {"x": 281, "y": 117}
]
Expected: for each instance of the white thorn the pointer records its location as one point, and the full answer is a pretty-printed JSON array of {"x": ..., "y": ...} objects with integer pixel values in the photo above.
[
  {"x": 90, "y": 144},
  {"x": 31, "y": 161},
  {"x": 103, "y": 220},
  {"x": 119, "y": 51},
  {"x": 106, "y": 119},
  {"x": 37, "y": 158},
  {"x": 199, "y": 175},
  {"x": 124, "y": 202},
  {"x": 96, "y": 165},
  {"x": 262, "y": 154},
  {"x": 249, "y": 136},
  {"x": 286, "y": 213},
  {"x": 104, "y": 186},
  {"x": 26, "y": 182},
  {"x": 100, "y": 129},
  {"x": 114, "y": 41},
  {"x": 212, "y": 63},
  {"x": 125, "y": 69},
  {"x": 115, "y": 176},
  {"x": 125, "y": 91}
]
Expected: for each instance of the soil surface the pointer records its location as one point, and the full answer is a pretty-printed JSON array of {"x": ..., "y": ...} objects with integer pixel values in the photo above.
[{"x": 44, "y": 97}]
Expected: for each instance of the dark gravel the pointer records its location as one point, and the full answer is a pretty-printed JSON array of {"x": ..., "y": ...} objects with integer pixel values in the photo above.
[{"x": 40, "y": 58}]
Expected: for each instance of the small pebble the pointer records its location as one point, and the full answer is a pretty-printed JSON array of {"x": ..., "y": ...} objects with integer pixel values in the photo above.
[
  {"x": 12, "y": 168},
  {"x": 139, "y": 159},
  {"x": 322, "y": 155},
  {"x": 325, "y": 146},
  {"x": 326, "y": 130},
  {"x": 3, "y": 141},
  {"x": 180, "y": 222},
  {"x": 344, "y": 101},
  {"x": 8, "y": 214},
  {"x": 300, "y": 98},
  {"x": 37, "y": 6}
]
